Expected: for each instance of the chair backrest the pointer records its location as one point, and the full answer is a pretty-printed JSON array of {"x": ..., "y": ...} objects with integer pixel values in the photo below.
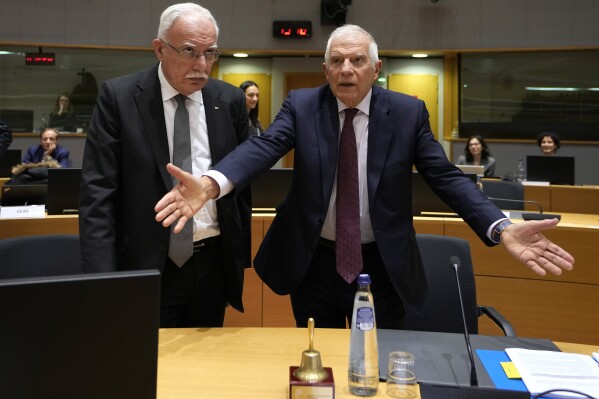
[
  {"x": 40, "y": 256},
  {"x": 442, "y": 311},
  {"x": 510, "y": 190}
]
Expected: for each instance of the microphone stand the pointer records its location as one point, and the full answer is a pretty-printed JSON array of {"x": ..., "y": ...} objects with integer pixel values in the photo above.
[
  {"x": 440, "y": 390},
  {"x": 455, "y": 264},
  {"x": 528, "y": 215}
]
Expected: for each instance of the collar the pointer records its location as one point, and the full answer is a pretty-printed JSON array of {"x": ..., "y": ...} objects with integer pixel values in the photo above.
[{"x": 363, "y": 105}]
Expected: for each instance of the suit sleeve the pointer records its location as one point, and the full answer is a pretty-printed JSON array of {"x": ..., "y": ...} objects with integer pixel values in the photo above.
[
  {"x": 62, "y": 157},
  {"x": 450, "y": 184},
  {"x": 30, "y": 155},
  {"x": 98, "y": 199}
]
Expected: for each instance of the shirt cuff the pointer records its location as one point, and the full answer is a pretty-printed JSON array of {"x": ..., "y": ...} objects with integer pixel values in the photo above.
[{"x": 226, "y": 185}]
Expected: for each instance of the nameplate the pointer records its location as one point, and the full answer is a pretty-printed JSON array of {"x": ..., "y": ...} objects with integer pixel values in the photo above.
[
  {"x": 23, "y": 212},
  {"x": 536, "y": 183}
]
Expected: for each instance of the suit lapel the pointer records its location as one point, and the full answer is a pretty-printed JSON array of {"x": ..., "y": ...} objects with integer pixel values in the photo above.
[
  {"x": 327, "y": 135},
  {"x": 151, "y": 112},
  {"x": 380, "y": 131},
  {"x": 213, "y": 109}
]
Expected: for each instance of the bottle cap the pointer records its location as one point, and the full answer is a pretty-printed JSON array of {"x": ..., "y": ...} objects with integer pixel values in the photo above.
[{"x": 364, "y": 279}]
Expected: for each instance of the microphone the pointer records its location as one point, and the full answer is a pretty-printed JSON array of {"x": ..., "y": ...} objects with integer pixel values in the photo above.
[
  {"x": 436, "y": 390},
  {"x": 455, "y": 264},
  {"x": 528, "y": 215}
]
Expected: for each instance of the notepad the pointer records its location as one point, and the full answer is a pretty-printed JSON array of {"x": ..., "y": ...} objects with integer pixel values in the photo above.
[{"x": 545, "y": 370}]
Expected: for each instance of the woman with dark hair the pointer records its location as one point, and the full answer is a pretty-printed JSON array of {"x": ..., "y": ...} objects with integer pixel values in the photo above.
[
  {"x": 477, "y": 152},
  {"x": 62, "y": 117},
  {"x": 548, "y": 142},
  {"x": 251, "y": 101}
]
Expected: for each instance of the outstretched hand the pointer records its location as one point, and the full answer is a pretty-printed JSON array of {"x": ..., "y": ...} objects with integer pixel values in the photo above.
[
  {"x": 525, "y": 242},
  {"x": 185, "y": 199}
]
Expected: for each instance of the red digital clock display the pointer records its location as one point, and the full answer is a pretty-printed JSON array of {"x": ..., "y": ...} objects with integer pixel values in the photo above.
[
  {"x": 292, "y": 29},
  {"x": 40, "y": 59}
]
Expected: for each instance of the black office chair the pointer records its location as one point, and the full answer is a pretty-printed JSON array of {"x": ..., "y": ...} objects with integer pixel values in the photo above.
[
  {"x": 40, "y": 256},
  {"x": 442, "y": 312},
  {"x": 509, "y": 190}
]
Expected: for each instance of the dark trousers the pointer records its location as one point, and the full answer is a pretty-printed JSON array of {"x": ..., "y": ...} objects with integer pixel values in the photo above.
[
  {"x": 195, "y": 295},
  {"x": 325, "y": 296}
]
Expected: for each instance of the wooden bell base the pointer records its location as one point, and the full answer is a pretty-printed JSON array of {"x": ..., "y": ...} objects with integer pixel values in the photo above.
[{"x": 299, "y": 389}]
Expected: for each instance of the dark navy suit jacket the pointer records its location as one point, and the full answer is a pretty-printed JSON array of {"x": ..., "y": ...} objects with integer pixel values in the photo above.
[{"x": 399, "y": 137}]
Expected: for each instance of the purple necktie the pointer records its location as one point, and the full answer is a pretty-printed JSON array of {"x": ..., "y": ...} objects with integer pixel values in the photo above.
[{"x": 347, "y": 247}]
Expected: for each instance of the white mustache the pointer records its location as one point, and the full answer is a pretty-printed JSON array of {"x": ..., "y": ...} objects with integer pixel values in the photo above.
[{"x": 196, "y": 75}]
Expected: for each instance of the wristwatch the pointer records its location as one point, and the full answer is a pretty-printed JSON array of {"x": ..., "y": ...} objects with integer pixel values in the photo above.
[{"x": 497, "y": 230}]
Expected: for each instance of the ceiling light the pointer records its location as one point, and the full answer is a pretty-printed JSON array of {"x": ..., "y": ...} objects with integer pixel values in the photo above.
[
  {"x": 419, "y": 55},
  {"x": 240, "y": 55}
]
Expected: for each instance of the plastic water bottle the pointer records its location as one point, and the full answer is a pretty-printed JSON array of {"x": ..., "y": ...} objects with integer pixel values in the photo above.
[
  {"x": 521, "y": 173},
  {"x": 363, "y": 371},
  {"x": 43, "y": 123}
]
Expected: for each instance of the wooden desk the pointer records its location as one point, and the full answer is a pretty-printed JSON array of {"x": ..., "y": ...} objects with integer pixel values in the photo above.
[
  {"x": 252, "y": 363},
  {"x": 55, "y": 224},
  {"x": 570, "y": 199},
  {"x": 561, "y": 308}
]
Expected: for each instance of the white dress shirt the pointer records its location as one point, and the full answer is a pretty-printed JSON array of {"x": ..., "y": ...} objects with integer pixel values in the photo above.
[{"x": 205, "y": 222}]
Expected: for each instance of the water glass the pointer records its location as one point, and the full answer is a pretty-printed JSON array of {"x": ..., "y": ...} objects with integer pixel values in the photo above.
[{"x": 401, "y": 376}]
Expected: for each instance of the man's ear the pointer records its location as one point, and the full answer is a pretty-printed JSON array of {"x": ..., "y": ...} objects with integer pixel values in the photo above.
[{"x": 157, "y": 46}]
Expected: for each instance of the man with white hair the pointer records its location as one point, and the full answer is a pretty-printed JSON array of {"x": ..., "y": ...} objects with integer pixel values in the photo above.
[{"x": 172, "y": 112}]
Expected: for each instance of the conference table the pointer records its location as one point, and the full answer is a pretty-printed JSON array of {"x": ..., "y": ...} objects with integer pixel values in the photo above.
[{"x": 253, "y": 362}]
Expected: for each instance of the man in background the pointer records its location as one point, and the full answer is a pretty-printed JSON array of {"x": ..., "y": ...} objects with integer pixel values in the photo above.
[
  {"x": 171, "y": 113},
  {"x": 48, "y": 149}
]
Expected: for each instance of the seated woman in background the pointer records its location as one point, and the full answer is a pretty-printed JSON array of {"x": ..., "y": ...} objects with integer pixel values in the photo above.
[
  {"x": 548, "y": 142},
  {"x": 48, "y": 150},
  {"x": 62, "y": 117},
  {"x": 477, "y": 153},
  {"x": 251, "y": 102}
]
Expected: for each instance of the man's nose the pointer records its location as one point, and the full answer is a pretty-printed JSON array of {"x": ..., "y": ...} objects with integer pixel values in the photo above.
[
  {"x": 200, "y": 62},
  {"x": 347, "y": 66}
]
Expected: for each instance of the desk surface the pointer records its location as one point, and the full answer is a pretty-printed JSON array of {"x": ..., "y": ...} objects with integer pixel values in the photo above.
[{"x": 253, "y": 362}]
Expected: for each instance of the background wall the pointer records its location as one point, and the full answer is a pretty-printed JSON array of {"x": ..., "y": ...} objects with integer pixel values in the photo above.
[
  {"x": 399, "y": 26},
  {"x": 247, "y": 24}
]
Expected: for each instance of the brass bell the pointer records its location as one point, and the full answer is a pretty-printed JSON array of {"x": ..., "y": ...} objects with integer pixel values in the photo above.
[{"x": 310, "y": 369}]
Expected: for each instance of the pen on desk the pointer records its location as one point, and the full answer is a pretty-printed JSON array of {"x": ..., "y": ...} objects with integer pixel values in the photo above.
[{"x": 596, "y": 356}]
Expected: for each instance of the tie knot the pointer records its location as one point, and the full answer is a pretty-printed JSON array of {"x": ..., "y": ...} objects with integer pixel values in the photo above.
[
  {"x": 180, "y": 98},
  {"x": 350, "y": 113}
]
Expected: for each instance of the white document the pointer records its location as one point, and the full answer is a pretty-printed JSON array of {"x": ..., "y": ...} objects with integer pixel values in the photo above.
[{"x": 545, "y": 370}]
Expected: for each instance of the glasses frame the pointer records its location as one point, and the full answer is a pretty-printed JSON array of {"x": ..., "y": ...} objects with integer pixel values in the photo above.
[{"x": 211, "y": 55}]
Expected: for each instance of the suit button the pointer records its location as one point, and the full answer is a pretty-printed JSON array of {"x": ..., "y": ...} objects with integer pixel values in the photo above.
[{"x": 163, "y": 247}]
